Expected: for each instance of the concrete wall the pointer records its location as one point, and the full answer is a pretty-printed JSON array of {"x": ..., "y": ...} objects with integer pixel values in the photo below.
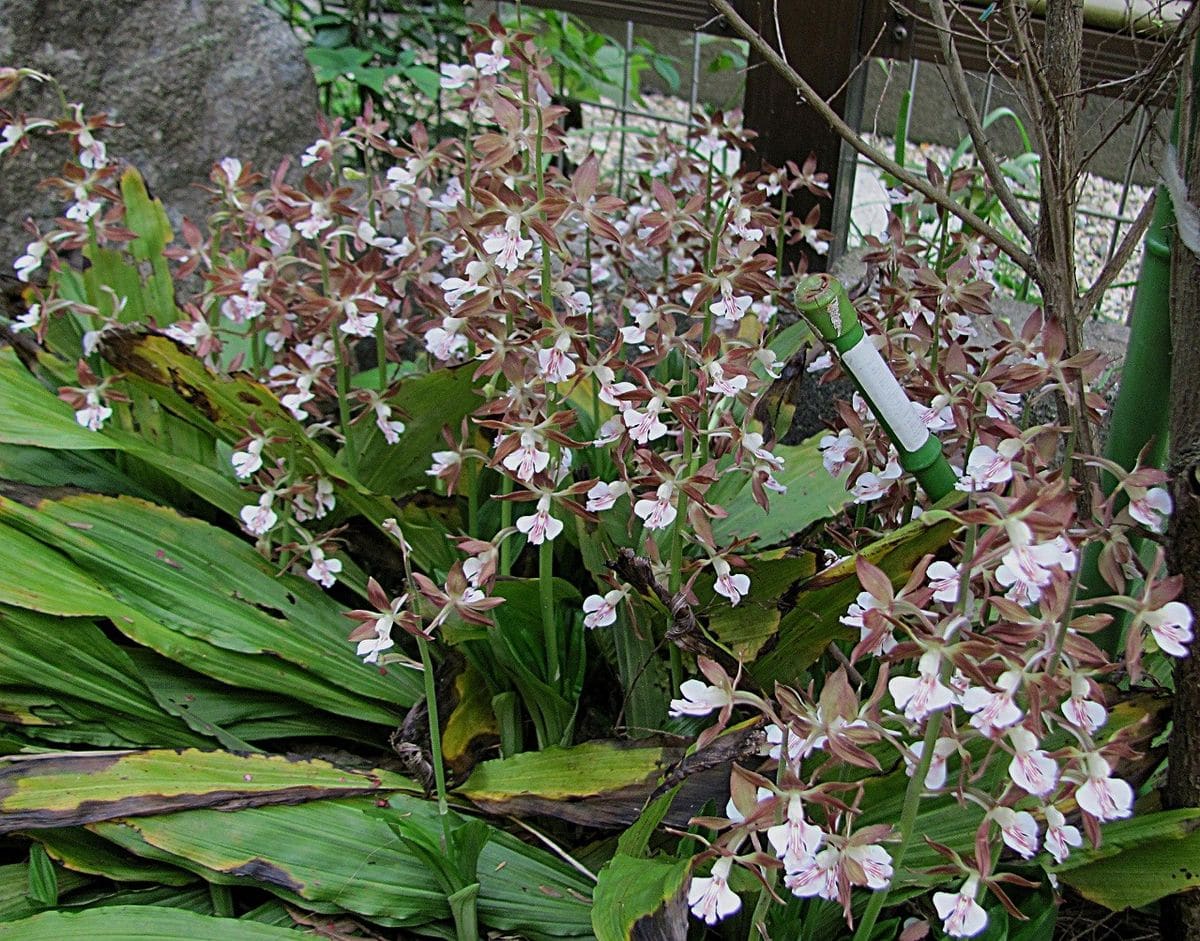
[{"x": 934, "y": 119}]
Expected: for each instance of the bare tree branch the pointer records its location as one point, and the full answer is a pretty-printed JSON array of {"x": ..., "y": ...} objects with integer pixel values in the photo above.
[
  {"x": 977, "y": 35},
  {"x": 1034, "y": 79},
  {"x": 966, "y": 109},
  {"x": 1117, "y": 262},
  {"x": 1020, "y": 257},
  {"x": 1165, "y": 64}
]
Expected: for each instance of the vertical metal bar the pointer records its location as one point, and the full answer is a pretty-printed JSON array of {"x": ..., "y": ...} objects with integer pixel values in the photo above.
[
  {"x": 694, "y": 97},
  {"x": 1138, "y": 134},
  {"x": 843, "y": 194},
  {"x": 562, "y": 94},
  {"x": 912, "y": 101},
  {"x": 624, "y": 105}
]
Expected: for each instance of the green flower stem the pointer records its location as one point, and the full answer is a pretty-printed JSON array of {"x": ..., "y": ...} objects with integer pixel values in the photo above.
[
  {"x": 549, "y": 621},
  {"x": 466, "y": 146},
  {"x": 708, "y": 191},
  {"x": 676, "y": 577},
  {"x": 759, "y": 919},
  {"x": 343, "y": 372},
  {"x": 1060, "y": 636},
  {"x": 908, "y": 819},
  {"x": 506, "y": 518},
  {"x": 916, "y": 785},
  {"x": 381, "y": 353},
  {"x": 474, "y": 474},
  {"x": 779, "y": 237},
  {"x": 343, "y": 391},
  {"x": 435, "y": 730},
  {"x": 256, "y": 349},
  {"x": 540, "y": 182}
]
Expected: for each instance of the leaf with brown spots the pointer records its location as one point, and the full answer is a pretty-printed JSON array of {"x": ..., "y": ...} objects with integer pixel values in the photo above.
[{"x": 64, "y": 789}]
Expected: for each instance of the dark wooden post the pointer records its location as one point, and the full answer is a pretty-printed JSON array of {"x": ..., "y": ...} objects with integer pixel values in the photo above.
[{"x": 823, "y": 40}]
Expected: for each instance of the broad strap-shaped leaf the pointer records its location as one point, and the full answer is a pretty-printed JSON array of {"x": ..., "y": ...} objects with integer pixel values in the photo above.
[
  {"x": 122, "y": 922},
  {"x": 146, "y": 216},
  {"x": 33, "y": 416},
  {"x": 198, "y": 594},
  {"x": 810, "y": 621},
  {"x": 238, "y": 718},
  {"x": 633, "y": 891},
  {"x": 342, "y": 855},
  {"x": 225, "y": 405},
  {"x": 426, "y": 404},
  {"x": 15, "y": 903},
  {"x": 812, "y": 495},
  {"x": 65, "y": 789},
  {"x": 748, "y": 626},
  {"x": 72, "y": 664},
  {"x": 602, "y": 783},
  {"x": 80, "y": 851},
  {"x": 1141, "y": 860}
]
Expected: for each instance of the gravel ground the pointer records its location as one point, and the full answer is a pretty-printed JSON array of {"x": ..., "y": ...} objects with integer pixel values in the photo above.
[
  {"x": 1100, "y": 198},
  {"x": 602, "y": 131}
]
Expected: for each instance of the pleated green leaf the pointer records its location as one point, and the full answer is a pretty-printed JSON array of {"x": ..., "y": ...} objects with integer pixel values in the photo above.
[
  {"x": 33, "y": 415},
  {"x": 811, "y": 619},
  {"x": 80, "y": 851},
  {"x": 124, "y": 922},
  {"x": 426, "y": 404},
  {"x": 14, "y": 890},
  {"x": 199, "y": 595},
  {"x": 1141, "y": 860},
  {"x": 72, "y": 664},
  {"x": 342, "y": 855},
  {"x": 238, "y": 719},
  {"x": 632, "y": 889},
  {"x": 812, "y": 495},
  {"x": 202, "y": 409}
]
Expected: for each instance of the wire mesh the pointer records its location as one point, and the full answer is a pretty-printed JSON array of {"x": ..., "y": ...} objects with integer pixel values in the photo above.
[
  {"x": 1110, "y": 196},
  {"x": 609, "y": 126}
]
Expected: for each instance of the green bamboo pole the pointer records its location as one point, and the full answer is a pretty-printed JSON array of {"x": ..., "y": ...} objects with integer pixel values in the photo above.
[
  {"x": 825, "y": 305},
  {"x": 1141, "y": 413}
]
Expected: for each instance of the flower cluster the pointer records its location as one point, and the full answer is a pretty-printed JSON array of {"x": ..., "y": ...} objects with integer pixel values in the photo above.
[
  {"x": 614, "y": 347},
  {"x": 984, "y": 672}
]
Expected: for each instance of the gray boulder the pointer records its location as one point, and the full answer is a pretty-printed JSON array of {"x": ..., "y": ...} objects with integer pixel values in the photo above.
[{"x": 192, "y": 81}]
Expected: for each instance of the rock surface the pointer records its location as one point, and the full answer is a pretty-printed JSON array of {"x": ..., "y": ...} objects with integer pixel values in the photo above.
[{"x": 191, "y": 80}]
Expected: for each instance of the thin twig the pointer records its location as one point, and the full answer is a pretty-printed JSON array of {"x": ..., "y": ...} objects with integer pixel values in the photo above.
[
  {"x": 836, "y": 652},
  {"x": 1023, "y": 259},
  {"x": 977, "y": 35},
  {"x": 966, "y": 109},
  {"x": 1164, "y": 65},
  {"x": 1116, "y": 264},
  {"x": 866, "y": 57},
  {"x": 556, "y": 849},
  {"x": 1034, "y": 77}
]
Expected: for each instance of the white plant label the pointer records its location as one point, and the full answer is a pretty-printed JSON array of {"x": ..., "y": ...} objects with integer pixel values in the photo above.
[{"x": 884, "y": 394}]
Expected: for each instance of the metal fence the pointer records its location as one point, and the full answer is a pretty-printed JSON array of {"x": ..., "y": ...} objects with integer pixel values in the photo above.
[{"x": 837, "y": 43}]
